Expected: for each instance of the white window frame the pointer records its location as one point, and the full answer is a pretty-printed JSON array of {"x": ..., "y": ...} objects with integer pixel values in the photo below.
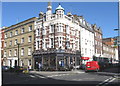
[
  {"x": 30, "y": 28},
  {"x": 22, "y": 51},
  {"x": 30, "y": 39},
  {"x": 11, "y": 34},
  {"x": 22, "y": 30},
  {"x": 16, "y": 32},
  {"x": 29, "y": 51},
  {"x": 15, "y": 52},
  {"x": 51, "y": 28},
  {"x": 10, "y": 52},
  {"x": 22, "y": 40},
  {"x": 5, "y": 54},
  {"x": 67, "y": 29},
  {"x": 44, "y": 31},
  {"x": 10, "y": 43},
  {"x": 6, "y": 35},
  {"x": 21, "y": 62},
  {"x": 60, "y": 28},
  {"x": 38, "y": 32},
  {"x": 5, "y": 45},
  {"x": 16, "y": 41}
]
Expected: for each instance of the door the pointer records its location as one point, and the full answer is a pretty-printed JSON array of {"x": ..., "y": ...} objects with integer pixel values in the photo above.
[{"x": 15, "y": 63}]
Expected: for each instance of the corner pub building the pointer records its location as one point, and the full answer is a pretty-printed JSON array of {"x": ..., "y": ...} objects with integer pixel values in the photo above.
[{"x": 57, "y": 39}]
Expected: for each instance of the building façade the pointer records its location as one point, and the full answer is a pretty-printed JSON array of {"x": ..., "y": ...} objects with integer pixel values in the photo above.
[{"x": 19, "y": 43}]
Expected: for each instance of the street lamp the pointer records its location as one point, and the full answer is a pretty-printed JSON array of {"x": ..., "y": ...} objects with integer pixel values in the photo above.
[
  {"x": 118, "y": 43},
  {"x": 18, "y": 53}
]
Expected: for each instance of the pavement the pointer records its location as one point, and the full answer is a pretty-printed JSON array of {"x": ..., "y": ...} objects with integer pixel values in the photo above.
[
  {"x": 109, "y": 71},
  {"x": 57, "y": 72}
]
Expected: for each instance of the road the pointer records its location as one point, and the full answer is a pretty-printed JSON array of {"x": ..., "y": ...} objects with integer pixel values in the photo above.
[{"x": 71, "y": 77}]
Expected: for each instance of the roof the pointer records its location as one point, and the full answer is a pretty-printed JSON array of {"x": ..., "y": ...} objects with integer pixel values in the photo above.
[
  {"x": 59, "y": 7},
  {"x": 21, "y": 22}
]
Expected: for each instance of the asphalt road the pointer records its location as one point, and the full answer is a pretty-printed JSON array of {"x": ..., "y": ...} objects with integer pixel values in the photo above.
[{"x": 90, "y": 78}]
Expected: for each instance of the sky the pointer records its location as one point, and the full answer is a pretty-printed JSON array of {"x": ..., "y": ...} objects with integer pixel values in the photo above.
[{"x": 103, "y": 14}]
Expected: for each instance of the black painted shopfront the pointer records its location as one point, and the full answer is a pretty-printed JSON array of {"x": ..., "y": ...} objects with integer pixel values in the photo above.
[{"x": 56, "y": 59}]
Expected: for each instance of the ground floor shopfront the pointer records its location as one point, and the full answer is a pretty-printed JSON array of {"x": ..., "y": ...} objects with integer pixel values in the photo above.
[{"x": 56, "y": 60}]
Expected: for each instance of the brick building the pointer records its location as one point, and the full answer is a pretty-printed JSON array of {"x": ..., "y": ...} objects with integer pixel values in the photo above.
[
  {"x": 2, "y": 45},
  {"x": 60, "y": 39},
  {"x": 57, "y": 39},
  {"x": 98, "y": 40},
  {"x": 19, "y": 41}
]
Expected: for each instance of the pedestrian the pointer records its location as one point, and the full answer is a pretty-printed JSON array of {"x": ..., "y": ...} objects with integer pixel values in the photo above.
[
  {"x": 39, "y": 65},
  {"x": 29, "y": 67}
]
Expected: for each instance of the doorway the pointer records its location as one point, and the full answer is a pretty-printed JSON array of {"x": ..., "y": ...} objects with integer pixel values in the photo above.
[{"x": 15, "y": 63}]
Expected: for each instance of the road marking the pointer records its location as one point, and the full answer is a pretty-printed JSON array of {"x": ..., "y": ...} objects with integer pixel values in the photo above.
[
  {"x": 40, "y": 76},
  {"x": 32, "y": 76},
  {"x": 107, "y": 81},
  {"x": 58, "y": 75}
]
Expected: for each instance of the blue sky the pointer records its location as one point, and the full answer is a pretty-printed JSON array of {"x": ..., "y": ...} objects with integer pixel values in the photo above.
[{"x": 104, "y": 14}]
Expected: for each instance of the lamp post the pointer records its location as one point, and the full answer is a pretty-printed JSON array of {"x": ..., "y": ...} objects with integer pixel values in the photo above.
[
  {"x": 118, "y": 40},
  {"x": 18, "y": 53},
  {"x": 118, "y": 43}
]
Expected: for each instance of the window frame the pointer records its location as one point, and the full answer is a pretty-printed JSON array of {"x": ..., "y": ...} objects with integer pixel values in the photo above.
[
  {"x": 22, "y": 52},
  {"x": 30, "y": 39},
  {"x": 30, "y": 27}
]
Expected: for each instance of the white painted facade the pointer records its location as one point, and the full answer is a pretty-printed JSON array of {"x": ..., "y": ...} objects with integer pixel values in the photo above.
[
  {"x": 87, "y": 43},
  {"x": 65, "y": 30}
]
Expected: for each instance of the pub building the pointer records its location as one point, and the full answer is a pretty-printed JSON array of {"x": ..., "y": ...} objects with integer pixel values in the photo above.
[{"x": 57, "y": 40}]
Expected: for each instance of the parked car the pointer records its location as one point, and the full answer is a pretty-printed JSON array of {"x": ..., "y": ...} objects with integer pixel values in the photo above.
[
  {"x": 16, "y": 69},
  {"x": 92, "y": 66},
  {"x": 5, "y": 68},
  {"x": 82, "y": 66}
]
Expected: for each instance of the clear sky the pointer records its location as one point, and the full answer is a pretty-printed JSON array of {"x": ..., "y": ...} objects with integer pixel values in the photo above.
[{"x": 104, "y": 14}]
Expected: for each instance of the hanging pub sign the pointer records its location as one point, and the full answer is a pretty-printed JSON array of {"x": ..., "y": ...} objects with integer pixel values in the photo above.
[{"x": 85, "y": 58}]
